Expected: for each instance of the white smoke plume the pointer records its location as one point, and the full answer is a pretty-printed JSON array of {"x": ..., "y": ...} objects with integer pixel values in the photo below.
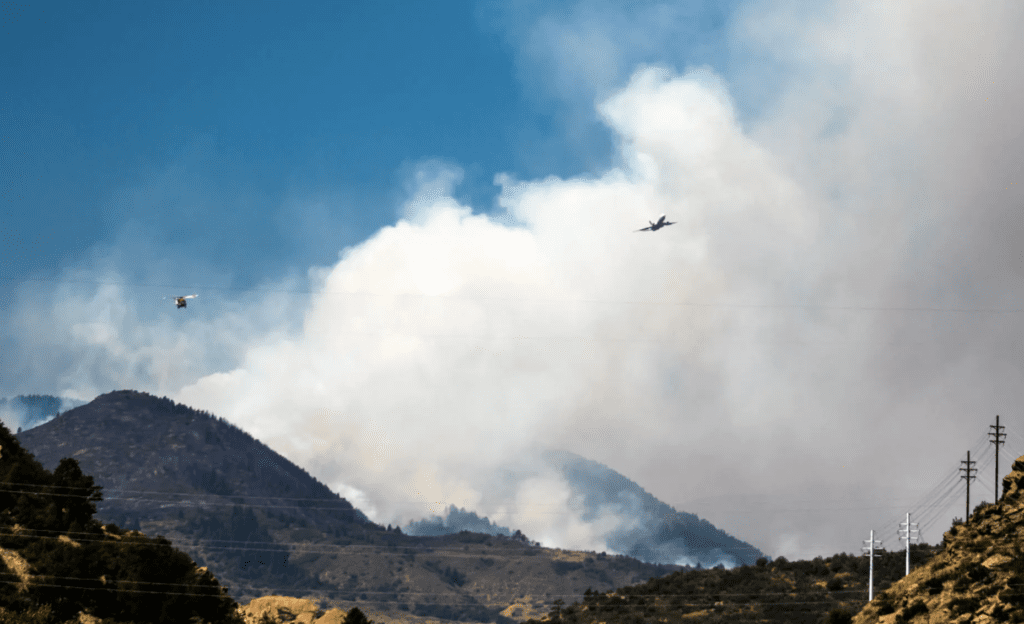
[{"x": 803, "y": 353}]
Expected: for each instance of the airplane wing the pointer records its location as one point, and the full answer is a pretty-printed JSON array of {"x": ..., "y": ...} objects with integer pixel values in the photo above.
[{"x": 643, "y": 229}]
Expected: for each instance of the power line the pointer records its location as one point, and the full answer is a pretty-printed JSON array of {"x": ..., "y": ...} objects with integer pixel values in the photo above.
[
  {"x": 471, "y": 601},
  {"x": 940, "y": 505},
  {"x": 42, "y": 491},
  {"x": 864, "y": 308},
  {"x": 927, "y": 501}
]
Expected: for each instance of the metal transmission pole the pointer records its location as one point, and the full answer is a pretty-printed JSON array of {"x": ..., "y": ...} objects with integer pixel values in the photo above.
[
  {"x": 997, "y": 439},
  {"x": 968, "y": 470},
  {"x": 909, "y": 531},
  {"x": 869, "y": 550}
]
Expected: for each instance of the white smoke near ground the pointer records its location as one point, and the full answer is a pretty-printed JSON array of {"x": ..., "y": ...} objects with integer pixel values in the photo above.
[
  {"x": 799, "y": 356},
  {"x": 25, "y": 412},
  {"x": 12, "y": 417}
]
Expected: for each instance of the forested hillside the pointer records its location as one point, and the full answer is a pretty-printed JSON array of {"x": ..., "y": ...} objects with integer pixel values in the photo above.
[
  {"x": 59, "y": 561},
  {"x": 264, "y": 526}
]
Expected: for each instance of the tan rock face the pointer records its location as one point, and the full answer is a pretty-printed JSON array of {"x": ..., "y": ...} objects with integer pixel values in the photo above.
[
  {"x": 68, "y": 540},
  {"x": 288, "y": 609},
  {"x": 978, "y": 578},
  {"x": 996, "y": 561},
  {"x": 18, "y": 565}
]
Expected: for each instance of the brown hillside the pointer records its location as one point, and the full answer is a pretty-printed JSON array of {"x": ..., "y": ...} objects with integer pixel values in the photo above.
[
  {"x": 264, "y": 527},
  {"x": 150, "y": 453},
  {"x": 979, "y": 576}
]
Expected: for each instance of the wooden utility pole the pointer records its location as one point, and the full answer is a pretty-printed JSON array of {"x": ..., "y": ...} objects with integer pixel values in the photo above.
[
  {"x": 997, "y": 439},
  {"x": 968, "y": 469}
]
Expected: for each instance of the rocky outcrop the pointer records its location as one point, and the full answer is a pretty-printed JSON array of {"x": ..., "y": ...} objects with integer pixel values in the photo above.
[
  {"x": 979, "y": 576},
  {"x": 286, "y": 609}
]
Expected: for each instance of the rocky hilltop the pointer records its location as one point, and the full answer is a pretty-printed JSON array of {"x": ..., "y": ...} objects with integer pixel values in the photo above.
[{"x": 978, "y": 577}]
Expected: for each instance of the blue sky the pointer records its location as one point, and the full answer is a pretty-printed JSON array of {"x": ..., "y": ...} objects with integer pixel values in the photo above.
[
  {"x": 217, "y": 128},
  {"x": 844, "y": 273},
  {"x": 233, "y": 109}
]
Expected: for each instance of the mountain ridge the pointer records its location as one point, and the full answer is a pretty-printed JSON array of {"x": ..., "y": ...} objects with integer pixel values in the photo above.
[
  {"x": 646, "y": 529},
  {"x": 110, "y": 422},
  {"x": 264, "y": 526},
  {"x": 657, "y": 531}
]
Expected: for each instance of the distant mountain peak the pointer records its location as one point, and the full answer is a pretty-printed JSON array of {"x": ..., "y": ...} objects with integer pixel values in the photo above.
[
  {"x": 135, "y": 441},
  {"x": 260, "y": 521},
  {"x": 642, "y": 526},
  {"x": 656, "y": 532}
]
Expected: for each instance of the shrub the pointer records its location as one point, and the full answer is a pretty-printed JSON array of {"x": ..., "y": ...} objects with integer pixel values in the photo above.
[
  {"x": 964, "y": 604},
  {"x": 885, "y": 606},
  {"x": 38, "y": 615},
  {"x": 978, "y": 572},
  {"x": 934, "y": 586},
  {"x": 355, "y": 616},
  {"x": 916, "y": 608},
  {"x": 839, "y": 616},
  {"x": 563, "y": 567}
]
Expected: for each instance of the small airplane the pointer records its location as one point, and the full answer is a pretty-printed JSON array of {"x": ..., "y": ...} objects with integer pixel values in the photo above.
[
  {"x": 180, "y": 301},
  {"x": 655, "y": 226}
]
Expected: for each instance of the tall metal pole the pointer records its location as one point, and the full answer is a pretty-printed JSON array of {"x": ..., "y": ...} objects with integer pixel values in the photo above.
[
  {"x": 869, "y": 550},
  {"x": 871, "y": 568},
  {"x": 912, "y": 534},
  {"x": 997, "y": 439}
]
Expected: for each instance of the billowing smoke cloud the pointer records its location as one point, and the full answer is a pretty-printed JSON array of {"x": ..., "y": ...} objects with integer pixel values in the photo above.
[{"x": 797, "y": 359}]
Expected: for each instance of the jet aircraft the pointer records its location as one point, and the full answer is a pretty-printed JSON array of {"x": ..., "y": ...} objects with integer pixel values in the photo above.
[
  {"x": 180, "y": 301},
  {"x": 655, "y": 226}
]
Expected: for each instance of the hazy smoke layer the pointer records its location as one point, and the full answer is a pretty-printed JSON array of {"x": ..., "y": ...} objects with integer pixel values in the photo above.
[
  {"x": 835, "y": 312},
  {"x": 25, "y": 412}
]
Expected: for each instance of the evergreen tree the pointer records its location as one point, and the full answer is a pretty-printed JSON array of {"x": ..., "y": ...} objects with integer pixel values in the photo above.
[
  {"x": 74, "y": 496},
  {"x": 355, "y": 616}
]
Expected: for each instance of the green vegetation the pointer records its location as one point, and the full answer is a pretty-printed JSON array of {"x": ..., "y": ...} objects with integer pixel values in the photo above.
[
  {"x": 821, "y": 590},
  {"x": 355, "y": 616},
  {"x": 66, "y": 562}
]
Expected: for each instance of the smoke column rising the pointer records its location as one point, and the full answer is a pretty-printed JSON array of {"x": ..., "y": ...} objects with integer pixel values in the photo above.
[{"x": 797, "y": 359}]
